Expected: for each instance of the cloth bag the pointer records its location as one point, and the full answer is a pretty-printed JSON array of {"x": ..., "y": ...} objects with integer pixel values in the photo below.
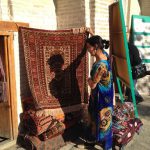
[{"x": 139, "y": 71}]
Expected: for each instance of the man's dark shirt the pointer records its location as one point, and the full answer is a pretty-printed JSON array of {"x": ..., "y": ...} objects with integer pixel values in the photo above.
[{"x": 134, "y": 55}]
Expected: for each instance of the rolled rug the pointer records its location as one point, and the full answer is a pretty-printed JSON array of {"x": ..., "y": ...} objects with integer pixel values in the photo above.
[
  {"x": 56, "y": 129},
  {"x": 35, "y": 122}
]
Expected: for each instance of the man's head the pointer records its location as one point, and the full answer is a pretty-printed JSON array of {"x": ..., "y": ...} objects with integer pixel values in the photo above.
[{"x": 56, "y": 63}]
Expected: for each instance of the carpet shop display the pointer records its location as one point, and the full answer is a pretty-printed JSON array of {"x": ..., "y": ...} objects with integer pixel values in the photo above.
[{"x": 57, "y": 69}]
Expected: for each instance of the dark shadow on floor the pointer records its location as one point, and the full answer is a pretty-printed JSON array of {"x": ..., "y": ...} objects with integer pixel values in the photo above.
[
  {"x": 2, "y": 139},
  {"x": 143, "y": 110},
  {"x": 76, "y": 135}
]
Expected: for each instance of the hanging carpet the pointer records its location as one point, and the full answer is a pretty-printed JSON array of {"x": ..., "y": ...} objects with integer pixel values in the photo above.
[{"x": 56, "y": 66}]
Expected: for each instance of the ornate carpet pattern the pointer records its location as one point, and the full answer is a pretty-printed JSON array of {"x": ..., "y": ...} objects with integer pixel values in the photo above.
[{"x": 56, "y": 66}]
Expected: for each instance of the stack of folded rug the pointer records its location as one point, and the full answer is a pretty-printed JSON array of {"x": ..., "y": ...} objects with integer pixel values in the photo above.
[{"x": 38, "y": 131}]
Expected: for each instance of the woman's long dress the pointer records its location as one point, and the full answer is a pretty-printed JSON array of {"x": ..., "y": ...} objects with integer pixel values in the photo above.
[{"x": 101, "y": 103}]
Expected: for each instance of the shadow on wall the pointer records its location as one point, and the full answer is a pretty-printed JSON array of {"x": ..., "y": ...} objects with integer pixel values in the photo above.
[{"x": 64, "y": 84}]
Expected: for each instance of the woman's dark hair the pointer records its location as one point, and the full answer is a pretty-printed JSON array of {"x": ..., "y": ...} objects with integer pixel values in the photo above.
[{"x": 102, "y": 44}]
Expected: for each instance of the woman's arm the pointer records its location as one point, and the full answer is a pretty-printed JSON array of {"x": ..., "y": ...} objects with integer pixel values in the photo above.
[
  {"x": 101, "y": 69},
  {"x": 91, "y": 83},
  {"x": 77, "y": 61},
  {"x": 90, "y": 31}
]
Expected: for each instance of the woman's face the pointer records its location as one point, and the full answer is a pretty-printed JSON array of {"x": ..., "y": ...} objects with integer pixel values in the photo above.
[{"x": 91, "y": 49}]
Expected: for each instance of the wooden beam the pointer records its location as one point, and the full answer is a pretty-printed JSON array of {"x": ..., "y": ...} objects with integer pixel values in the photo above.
[
  {"x": 12, "y": 82},
  {"x": 11, "y": 26}
]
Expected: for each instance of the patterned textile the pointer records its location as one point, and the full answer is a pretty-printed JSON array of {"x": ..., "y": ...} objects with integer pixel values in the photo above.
[
  {"x": 123, "y": 133},
  {"x": 36, "y": 122},
  {"x": 137, "y": 123},
  {"x": 56, "y": 66},
  {"x": 101, "y": 102},
  {"x": 28, "y": 104},
  {"x": 123, "y": 112},
  {"x": 55, "y": 129},
  {"x": 58, "y": 113},
  {"x": 34, "y": 143},
  {"x": 124, "y": 124}
]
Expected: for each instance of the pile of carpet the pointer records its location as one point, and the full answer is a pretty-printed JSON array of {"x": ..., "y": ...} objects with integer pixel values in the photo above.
[{"x": 38, "y": 131}]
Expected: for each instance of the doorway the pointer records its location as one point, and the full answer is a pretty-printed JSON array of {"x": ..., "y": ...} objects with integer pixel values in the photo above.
[{"x": 8, "y": 103}]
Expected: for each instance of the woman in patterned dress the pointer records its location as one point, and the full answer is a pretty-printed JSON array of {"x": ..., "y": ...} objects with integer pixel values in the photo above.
[{"x": 101, "y": 98}]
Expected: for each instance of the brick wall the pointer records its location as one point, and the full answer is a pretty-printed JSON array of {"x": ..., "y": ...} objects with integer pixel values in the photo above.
[
  {"x": 102, "y": 18},
  {"x": 93, "y": 13},
  {"x": 145, "y": 7},
  {"x": 70, "y": 13}
]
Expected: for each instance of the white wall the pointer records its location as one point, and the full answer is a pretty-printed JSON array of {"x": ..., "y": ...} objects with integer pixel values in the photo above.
[
  {"x": 102, "y": 18},
  {"x": 39, "y": 14}
]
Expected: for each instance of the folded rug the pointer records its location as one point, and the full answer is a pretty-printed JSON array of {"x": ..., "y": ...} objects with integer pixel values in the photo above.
[
  {"x": 56, "y": 129},
  {"x": 36, "y": 122}
]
